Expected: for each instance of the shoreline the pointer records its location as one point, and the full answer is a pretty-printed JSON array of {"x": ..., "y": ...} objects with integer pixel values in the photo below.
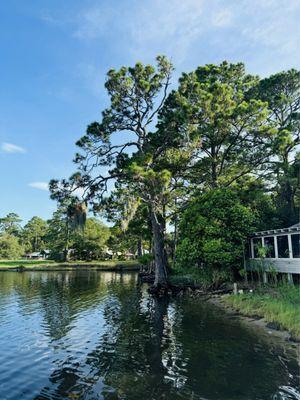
[
  {"x": 109, "y": 266},
  {"x": 281, "y": 336},
  {"x": 272, "y": 328},
  {"x": 58, "y": 269},
  {"x": 275, "y": 308}
]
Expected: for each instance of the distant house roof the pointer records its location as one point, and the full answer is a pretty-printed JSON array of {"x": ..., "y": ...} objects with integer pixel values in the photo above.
[
  {"x": 291, "y": 229},
  {"x": 46, "y": 251},
  {"x": 34, "y": 254}
]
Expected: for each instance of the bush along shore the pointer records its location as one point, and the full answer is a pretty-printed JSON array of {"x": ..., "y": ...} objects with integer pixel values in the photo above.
[
  {"x": 179, "y": 285},
  {"x": 278, "y": 306}
]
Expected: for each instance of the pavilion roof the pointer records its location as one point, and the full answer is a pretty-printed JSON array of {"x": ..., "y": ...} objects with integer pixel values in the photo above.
[{"x": 291, "y": 229}]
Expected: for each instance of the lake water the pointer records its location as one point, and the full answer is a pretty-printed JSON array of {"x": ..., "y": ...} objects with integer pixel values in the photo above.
[{"x": 99, "y": 335}]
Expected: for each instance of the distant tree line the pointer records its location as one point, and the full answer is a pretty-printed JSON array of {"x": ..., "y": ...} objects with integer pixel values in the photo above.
[{"x": 56, "y": 235}]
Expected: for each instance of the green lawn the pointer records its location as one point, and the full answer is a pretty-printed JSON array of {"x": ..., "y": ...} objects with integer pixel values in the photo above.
[
  {"x": 51, "y": 265},
  {"x": 280, "y": 304},
  {"x": 15, "y": 263}
]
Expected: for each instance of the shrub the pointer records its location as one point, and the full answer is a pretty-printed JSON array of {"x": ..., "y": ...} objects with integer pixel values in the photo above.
[
  {"x": 145, "y": 259},
  {"x": 212, "y": 234},
  {"x": 10, "y": 247}
]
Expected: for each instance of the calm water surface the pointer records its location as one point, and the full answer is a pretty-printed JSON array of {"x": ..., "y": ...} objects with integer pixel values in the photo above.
[{"x": 98, "y": 335}]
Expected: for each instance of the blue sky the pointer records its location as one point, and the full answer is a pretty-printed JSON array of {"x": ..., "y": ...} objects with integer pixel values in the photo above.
[{"x": 54, "y": 56}]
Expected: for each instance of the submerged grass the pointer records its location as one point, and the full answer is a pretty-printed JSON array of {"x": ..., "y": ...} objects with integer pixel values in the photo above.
[{"x": 279, "y": 304}]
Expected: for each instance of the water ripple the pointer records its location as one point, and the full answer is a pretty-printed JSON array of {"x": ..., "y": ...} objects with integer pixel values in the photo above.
[{"x": 91, "y": 335}]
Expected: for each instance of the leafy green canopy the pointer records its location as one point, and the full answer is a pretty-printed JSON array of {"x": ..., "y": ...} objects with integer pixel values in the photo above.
[
  {"x": 87, "y": 243},
  {"x": 33, "y": 234},
  {"x": 90, "y": 244},
  {"x": 10, "y": 247},
  {"x": 213, "y": 231}
]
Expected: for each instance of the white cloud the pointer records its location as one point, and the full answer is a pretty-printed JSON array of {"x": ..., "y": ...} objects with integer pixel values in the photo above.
[
  {"x": 39, "y": 185},
  {"x": 271, "y": 29},
  {"x": 263, "y": 33},
  {"x": 168, "y": 27},
  {"x": 94, "y": 22},
  {"x": 222, "y": 18},
  {"x": 177, "y": 28},
  {"x": 91, "y": 76},
  {"x": 12, "y": 148},
  {"x": 47, "y": 17}
]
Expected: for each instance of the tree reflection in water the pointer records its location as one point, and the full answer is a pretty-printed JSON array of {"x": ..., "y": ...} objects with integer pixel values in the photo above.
[{"x": 106, "y": 338}]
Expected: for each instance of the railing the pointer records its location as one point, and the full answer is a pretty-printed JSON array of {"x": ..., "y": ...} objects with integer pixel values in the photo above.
[{"x": 283, "y": 265}]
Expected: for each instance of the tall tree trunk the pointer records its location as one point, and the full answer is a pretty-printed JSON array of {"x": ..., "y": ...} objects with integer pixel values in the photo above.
[
  {"x": 66, "y": 249},
  {"x": 35, "y": 243},
  {"x": 213, "y": 167},
  {"x": 140, "y": 248},
  {"x": 159, "y": 250},
  {"x": 287, "y": 193},
  {"x": 175, "y": 234}
]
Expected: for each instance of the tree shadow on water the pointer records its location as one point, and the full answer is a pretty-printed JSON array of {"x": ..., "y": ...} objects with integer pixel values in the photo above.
[{"x": 156, "y": 348}]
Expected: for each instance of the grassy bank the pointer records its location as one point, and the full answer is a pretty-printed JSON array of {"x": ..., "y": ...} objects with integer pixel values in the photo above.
[
  {"x": 280, "y": 305},
  {"x": 45, "y": 265}
]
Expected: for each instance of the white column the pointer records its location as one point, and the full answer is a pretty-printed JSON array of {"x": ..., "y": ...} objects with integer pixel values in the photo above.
[
  {"x": 290, "y": 246},
  {"x": 265, "y": 277},
  {"x": 290, "y": 279},
  {"x": 235, "y": 289},
  {"x": 252, "y": 248},
  {"x": 263, "y": 245},
  {"x": 275, "y": 246}
]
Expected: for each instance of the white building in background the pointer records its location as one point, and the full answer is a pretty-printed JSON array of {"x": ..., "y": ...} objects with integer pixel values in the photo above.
[
  {"x": 38, "y": 255},
  {"x": 280, "y": 251}
]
